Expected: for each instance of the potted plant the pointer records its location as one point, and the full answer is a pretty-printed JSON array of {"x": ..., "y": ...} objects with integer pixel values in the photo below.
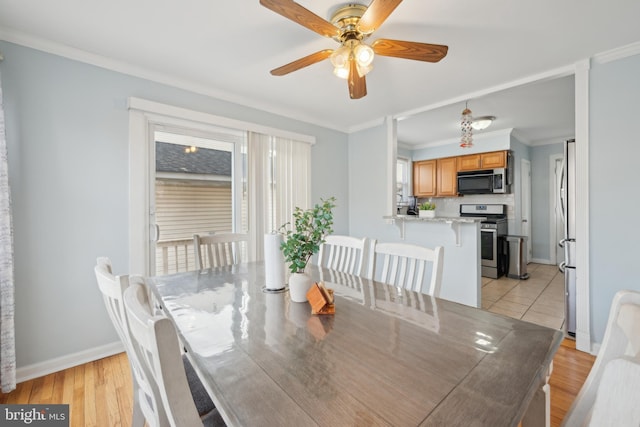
[
  {"x": 427, "y": 210},
  {"x": 300, "y": 243}
]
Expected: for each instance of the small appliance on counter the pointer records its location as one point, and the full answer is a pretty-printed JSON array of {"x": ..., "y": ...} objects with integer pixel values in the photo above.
[
  {"x": 494, "y": 256},
  {"x": 413, "y": 207}
]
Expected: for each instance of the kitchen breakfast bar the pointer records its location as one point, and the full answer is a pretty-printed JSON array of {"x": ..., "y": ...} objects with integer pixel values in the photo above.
[
  {"x": 460, "y": 238},
  {"x": 387, "y": 356}
]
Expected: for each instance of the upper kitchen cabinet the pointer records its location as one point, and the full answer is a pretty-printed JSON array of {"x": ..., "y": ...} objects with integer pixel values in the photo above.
[
  {"x": 424, "y": 178},
  {"x": 447, "y": 176},
  {"x": 435, "y": 178},
  {"x": 491, "y": 160}
]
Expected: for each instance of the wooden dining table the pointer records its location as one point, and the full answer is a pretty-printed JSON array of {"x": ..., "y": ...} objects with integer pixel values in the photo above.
[{"x": 387, "y": 357}]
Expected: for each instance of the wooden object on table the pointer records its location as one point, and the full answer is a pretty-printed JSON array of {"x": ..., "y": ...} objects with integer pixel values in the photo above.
[{"x": 321, "y": 299}]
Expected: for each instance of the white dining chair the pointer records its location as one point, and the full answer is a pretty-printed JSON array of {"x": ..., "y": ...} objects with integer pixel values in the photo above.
[
  {"x": 157, "y": 349},
  {"x": 404, "y": 265},
  {"x": 220, "y": 249},
  {"x": 112, "y": 289},
  {"x": 621, "y": 340},
  {"x": 344, "y": 253}
]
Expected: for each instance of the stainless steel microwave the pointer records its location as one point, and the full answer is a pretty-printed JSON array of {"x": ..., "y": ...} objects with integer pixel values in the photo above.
[{"x": 488, "y": 181}]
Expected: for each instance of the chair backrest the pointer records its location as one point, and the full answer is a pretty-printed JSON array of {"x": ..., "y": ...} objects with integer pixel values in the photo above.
[
  {"x": 156, "y": 346},
  {"x": 219, "y": 250},
  {"x": 621, "y": 339},
  {"x": 112, "y": 289},
  {"x": 616, "y": 402},
  {"x": 344, "y": 253},
  {"x": 405, "y": 265}
]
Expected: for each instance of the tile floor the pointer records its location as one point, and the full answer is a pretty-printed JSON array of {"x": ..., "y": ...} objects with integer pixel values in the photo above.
[{"x": 539, "y": 299}]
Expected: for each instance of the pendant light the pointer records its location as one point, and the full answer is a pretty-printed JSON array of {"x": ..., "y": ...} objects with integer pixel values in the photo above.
[
  {"x": 465, "y": 124},
  {"x": 483, "y": 122}
]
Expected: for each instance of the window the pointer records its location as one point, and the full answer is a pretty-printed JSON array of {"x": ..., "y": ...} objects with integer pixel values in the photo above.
[
  {"x": 403, "y": 179},
  {"x": 270, "y": 176}
]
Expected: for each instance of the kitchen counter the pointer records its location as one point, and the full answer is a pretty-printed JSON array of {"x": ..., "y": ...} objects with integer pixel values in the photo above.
[
  {"x": 447, "y": 219},
  {"x": 453, "y": 221}
]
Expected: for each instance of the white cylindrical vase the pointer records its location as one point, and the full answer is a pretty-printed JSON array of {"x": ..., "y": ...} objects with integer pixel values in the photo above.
[{"x": 299, "y": 285}]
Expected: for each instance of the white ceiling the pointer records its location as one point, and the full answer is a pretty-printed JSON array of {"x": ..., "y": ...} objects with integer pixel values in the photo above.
[{"x": 226, "y": 49}]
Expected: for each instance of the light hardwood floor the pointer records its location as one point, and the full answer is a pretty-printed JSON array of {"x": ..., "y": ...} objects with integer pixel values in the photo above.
[{"x": 99, "y": 392}]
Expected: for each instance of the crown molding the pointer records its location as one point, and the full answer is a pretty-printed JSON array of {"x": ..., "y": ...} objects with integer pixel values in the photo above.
[
  {"x": 476, "y": 138},
  {"x": 617, "y": 53},
  {"x": 111, "y": 64}
]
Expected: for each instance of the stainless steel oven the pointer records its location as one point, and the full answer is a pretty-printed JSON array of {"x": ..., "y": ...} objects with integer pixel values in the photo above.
[{"x": 493, "y": 230}]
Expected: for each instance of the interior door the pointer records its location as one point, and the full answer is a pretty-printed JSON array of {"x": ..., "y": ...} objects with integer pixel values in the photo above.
[{"x": 525, "y": 194}]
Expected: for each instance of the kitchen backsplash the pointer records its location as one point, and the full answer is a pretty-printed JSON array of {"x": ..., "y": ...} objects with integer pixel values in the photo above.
[{"x": 450, "y": 206}]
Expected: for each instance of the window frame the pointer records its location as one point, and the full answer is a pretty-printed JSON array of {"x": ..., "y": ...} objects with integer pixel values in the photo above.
[{"x": 144, "y": 118}]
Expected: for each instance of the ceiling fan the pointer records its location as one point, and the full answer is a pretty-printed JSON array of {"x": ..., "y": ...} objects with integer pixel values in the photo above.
[{"x": 350, "y": 26}]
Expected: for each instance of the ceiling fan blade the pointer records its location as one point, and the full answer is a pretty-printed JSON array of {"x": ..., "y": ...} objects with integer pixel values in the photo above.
[
  {"x": 302, "y": 62},
  {"x": 377, "y": 12},
  {"x": 298, "y": 14},
  {"x": 357, "y": 83},
  {"x": 410, "y": 50}
]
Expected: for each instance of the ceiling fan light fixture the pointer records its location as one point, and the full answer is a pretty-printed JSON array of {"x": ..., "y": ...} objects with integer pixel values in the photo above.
[
  {"x": 483, "y": 122},
  {"x": 363, "y": 70},
  {"x": 342, "y": 72},
  {"x": 340, "y": 57},
  {"x": 363, "y": 54}
]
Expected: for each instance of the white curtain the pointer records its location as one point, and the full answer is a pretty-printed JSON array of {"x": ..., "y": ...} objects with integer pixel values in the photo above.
[
  {"x": 279, "y": 180},
  {"x": 7, "y": 335}
]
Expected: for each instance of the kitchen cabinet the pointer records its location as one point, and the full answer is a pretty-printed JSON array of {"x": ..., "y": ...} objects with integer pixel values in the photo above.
[
  {"x": 424, "y": 178},
  {"x": 435, "y": 178},
  {"x": 491, "y": 160},
  {"x": 447, "y": 176}
]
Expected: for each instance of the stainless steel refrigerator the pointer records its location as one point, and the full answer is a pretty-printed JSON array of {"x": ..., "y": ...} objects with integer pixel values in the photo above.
[{"x": 567, "y": 192}]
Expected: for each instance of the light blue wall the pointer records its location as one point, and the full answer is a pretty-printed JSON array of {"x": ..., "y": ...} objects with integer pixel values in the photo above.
[
  {"x": 367, "y": 184},
  {"x": 614, "y": 150},
  {"x": 541, "y": 196},
  {"x": 67, "y": 133}
]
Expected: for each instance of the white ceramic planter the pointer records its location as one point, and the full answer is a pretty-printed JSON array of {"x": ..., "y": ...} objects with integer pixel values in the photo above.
[
  {"x": 426, "y": 214},
  {"x": 299, "y": 285}
]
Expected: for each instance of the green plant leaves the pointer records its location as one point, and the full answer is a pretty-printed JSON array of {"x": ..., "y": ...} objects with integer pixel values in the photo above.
[{"x": 310, "y": 228}]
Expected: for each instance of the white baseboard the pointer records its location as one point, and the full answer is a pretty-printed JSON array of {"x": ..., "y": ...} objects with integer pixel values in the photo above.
[{"x": 37, "y": 370}]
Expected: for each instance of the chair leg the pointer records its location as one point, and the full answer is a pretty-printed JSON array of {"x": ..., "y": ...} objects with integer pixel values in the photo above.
[{"x": 137, "y": 418}]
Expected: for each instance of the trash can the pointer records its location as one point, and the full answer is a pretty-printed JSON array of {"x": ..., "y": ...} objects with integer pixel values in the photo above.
[{"x": 517, "y": 260}]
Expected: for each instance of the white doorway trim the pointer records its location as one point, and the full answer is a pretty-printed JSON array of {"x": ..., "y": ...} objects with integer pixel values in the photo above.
[
  {"x": 583, "y": 323},
  {"x": 525, "y": 203},
  {"x": 553, "y": 208}
]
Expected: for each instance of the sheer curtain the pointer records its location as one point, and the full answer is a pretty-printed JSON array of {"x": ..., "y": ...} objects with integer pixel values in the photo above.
[
  {"x": 279, "y": 179},
  {"x": 7, "y": 336}
]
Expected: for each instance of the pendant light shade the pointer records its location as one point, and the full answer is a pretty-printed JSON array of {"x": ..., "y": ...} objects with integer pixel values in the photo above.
[{"x": 467, "y": 137}]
